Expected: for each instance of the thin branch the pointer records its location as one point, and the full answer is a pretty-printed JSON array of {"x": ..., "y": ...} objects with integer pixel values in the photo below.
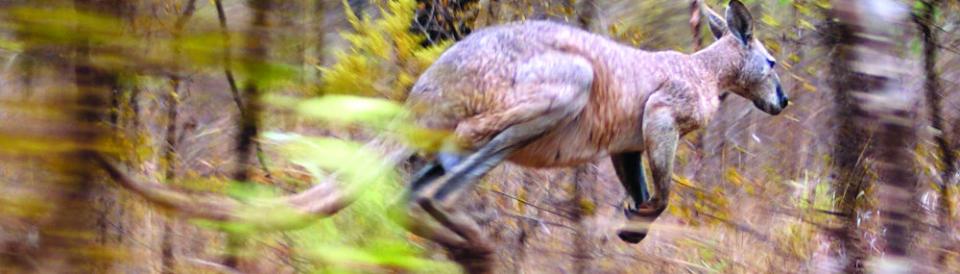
[
  {"x": 565, "y": 215},
  {"x": 232, "y": 82},
  {"x": 187, "y": 14},
  {"x": 538, "y": 220},
  {"x": 227, "y": 56}
]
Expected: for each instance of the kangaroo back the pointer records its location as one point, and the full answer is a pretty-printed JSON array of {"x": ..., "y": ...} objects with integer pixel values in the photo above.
[{"x": 484, "y": 75}]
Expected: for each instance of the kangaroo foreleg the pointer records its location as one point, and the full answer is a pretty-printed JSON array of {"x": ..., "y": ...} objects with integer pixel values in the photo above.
[{"x": 661, "y": 136}]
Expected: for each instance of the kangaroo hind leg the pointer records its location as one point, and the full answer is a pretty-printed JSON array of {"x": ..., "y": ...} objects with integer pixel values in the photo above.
[
  {"x": 550, "y": 89},
  {"x": 551, "y": 99},
  {"x": 468, "y": 245},
  {"x": 444, "y": 162}
]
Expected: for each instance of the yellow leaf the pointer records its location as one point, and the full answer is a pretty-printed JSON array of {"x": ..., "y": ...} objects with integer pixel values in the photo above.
[{"x": 769, "y": 20}]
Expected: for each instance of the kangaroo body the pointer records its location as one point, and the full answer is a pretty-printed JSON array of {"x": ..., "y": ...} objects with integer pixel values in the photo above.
[
  {"x": 544, "y": 94},
  {"x": 502, "y": 69}
]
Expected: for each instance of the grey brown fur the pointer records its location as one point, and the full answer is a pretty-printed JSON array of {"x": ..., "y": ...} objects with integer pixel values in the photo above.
[{"x": 544, "y": 94}]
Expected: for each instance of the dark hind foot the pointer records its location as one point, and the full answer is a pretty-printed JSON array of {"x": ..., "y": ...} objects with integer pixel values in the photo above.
[{"x": 476, "y": 259}]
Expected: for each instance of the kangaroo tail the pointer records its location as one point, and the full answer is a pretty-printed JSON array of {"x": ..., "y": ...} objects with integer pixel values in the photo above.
[{"x": 319, "y": 201}]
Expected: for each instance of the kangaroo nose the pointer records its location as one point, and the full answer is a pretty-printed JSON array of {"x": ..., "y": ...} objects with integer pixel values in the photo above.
[{"x": 784, "y": 101}]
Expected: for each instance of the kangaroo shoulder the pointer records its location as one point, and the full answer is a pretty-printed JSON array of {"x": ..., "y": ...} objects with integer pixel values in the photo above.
[{"x": 670, "y": 94}]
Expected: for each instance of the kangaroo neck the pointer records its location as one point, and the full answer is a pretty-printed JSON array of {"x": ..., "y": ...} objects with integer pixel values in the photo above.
[{"x": 720, "y": 62}]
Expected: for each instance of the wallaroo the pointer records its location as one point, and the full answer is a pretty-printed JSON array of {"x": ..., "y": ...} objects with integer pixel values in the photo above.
[{"x": 542, "y": 94}]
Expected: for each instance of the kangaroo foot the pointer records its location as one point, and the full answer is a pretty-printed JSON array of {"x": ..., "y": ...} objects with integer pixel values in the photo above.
[
  {"x": 476, "y": 259},
  {"x": 472, "y": 251}
]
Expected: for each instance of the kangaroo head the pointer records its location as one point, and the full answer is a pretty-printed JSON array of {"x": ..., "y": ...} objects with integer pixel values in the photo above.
[{"x": 755, "y": 78}]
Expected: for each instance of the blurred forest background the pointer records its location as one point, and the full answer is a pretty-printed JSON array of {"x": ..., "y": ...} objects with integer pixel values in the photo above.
[{"x": 228, "y": 136}]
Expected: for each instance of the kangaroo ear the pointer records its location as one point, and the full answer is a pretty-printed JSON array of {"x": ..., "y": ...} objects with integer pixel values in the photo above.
[
  {"x": 739, "y": 21},
  {"x": 718, "y": 26}
]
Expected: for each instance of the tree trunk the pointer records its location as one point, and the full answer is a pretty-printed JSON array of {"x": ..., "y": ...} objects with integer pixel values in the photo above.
[
  {"x": 170, "y": 158},
  {"x": 925, "y": 22},
  {"x": 883, "y": 109},
  {"x": 256, "y": 60},
  {"x": 850, "y": 141},
  {"x": 581, "y": 208},
  {"x": 70, "y": 236}
]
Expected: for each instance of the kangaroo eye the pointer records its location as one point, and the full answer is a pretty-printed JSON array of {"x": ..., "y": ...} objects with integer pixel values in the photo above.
[{"x": 772, "y": 63}]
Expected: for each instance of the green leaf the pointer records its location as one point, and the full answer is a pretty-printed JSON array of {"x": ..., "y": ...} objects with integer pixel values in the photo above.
[
  {"x": 353, "y": 162},
  {"x": 348, "y": 109}
]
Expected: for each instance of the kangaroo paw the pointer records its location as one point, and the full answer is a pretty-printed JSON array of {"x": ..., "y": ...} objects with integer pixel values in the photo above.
[
  {"x": 630, "y": 212},
  {"x": 644, "y": 211}
]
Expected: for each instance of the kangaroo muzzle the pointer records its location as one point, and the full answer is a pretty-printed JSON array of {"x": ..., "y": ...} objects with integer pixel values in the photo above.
[{"x": 774, "y": 105}]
